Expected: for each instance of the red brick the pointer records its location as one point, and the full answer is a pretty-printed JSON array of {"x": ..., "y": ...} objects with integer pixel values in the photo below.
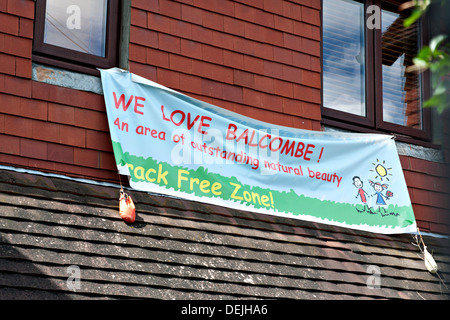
[
  {"x": 170, "y": 8},
  {"x": 212, "y": 20},
  {"x": 253, "y": 64},
  {"x": 283, "y": 88},
  {"x": 157, "y": 58},
  {"x": 244, "y": 79},
  {"x": 180, "y": 28},
  {"x": 16, "y": 86},
  {"x": 223, "y": 40},
  {"x": 168, "y": 78},
  {"x": 169, "y": 43},
  {"x": 98, "y": 140},
  {"x": 212, "y": 88},
  {"x": 202, "y": 34},
  {"x": 219, "y": 6},
  {"x": 191, "y": 49},
  {"x": 33, "y": 149},
  {"x": 57, "y": 94},
  {"x": 137, "y": 53},
  {"x": 148, "y": 5},
  {"x": 292, "y": 42},
  {"x": 311, "y": 79},
  {"x": 252, "y": 97},
  {"x": 7, "y": 64},
  {"x": 22, "y": 8},
  {"x": 265, "y": 84},
  {"x": 144, "y": 70},
  {"x": 293, "y": 107},
  {"x": 23, "y": 67},
  {"x": 26, "y": 28},
  {"x": 283, "y": 24},
  {"x": 9, "y": 144},
  {"x": 234, "y": 26},
  {"x": 273, "y": 69},
  {"x": 310, "y": 46},
  {"x": 2, "y": 123},
  {"x": 45, "y": 131},
  {"x": 212, "y": 54},
  {"x": 404, "y": 160},
  {"x": 86, "y": 157},
  {"x": 254, "y": 3},
  {"x": 191, "y": 14},
  {"x": 180, "y": 63},
  {"x": 315, "y": 64},
  {"x": 420, "y": 165},
  {"x": 61, "y": 114},
  {"x": 273, "y": 6},
  {"x": 305, "y": 124},
  {"x": 303, "y": 93},
  {"x": 303, "y": 29},
  {"x": 107, "y": 161},
  {"x": 292, "y": 74},
  {"x": 143, "y": 37},
  {"x": 16, "y": 46},
  {"x": 254, "y": 31},
  {"x": 272, "y": 102},
  {"x": 9, "y": 24},
  {"x": 283, "y": 55},
  {"x": 233, "y": 93},
  {"x": 89, "y": 119},
  {"x": 425, "y": 181},
  {"x": 221, "y": 74},
  {"x": 138, "y": 18},
  {"x": 190, "y": 83},
  {"x": 72, "y": 136},
  {"x": 273, "y": 37},
  {"x": 18, "y": 126},
  {"x": 3, "y": 5},
  {"x": 302, "y": 60},
  {"x": 158, "y": 22},
  {"x": 60, "y": 153},
  {"x": 292, "y": 10},
  {"x": 233, "y": 59},
  {"x": 311, "y": 111},
  {"x": 311, "y": 16}
]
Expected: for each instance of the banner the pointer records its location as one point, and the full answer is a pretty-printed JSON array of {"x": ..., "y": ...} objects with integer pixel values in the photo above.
[{"x": 172, "y": 144}]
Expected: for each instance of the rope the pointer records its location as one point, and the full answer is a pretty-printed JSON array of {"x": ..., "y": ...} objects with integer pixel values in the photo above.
[{"x": 427, "y": 256}]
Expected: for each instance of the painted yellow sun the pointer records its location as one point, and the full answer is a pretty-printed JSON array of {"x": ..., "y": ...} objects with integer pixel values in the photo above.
[{"x": 381, "y": 170}]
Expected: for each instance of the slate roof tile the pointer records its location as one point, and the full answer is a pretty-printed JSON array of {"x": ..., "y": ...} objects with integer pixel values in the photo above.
[{"x": 179, "y": 249}]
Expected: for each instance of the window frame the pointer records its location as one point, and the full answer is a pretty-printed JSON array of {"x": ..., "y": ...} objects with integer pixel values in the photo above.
[
  {"x": 72, "y": 59},
  {"x": 373, "y": 121}
]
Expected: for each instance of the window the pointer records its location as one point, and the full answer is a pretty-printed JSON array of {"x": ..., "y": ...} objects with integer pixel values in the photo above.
[
  {"x": 365, "y": 53},
  {"x": 79, "y": 35}
]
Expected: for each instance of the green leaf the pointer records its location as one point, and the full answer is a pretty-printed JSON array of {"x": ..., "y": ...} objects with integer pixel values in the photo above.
[
  {"x": 415, "y": 15},
  {"x": 436, "y": 41},
  {"x": 438, "y": 101},
  {"x": 420, "y": 63}
]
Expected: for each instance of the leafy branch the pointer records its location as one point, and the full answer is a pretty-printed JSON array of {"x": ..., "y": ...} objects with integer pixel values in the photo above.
[{"x": 434, "y": 57}]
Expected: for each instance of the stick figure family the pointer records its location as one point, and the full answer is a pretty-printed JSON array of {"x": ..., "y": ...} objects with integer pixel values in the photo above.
[{"x": 378, "y": 188}]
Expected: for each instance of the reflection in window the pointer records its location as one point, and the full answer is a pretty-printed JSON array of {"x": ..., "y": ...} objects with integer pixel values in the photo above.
[
  {"x": 401, "y": 89},
  {"x": 77, "y": 25},
  {"x": 343, "y": 56}
]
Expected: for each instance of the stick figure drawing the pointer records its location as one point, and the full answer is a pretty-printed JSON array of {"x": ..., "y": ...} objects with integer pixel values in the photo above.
[{"x": 378, "y": 187}]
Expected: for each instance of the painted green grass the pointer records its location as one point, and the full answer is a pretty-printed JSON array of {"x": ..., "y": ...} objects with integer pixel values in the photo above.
[{"x": 283, "y": 202}]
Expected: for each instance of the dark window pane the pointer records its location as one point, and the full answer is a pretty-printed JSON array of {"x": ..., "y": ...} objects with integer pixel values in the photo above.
[
  {"x": 77, "y": 25},
  {"x": 344, "y": 56}
]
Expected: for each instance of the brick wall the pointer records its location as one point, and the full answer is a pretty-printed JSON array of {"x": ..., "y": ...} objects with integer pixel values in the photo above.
[{"x": 260, "y": 58}]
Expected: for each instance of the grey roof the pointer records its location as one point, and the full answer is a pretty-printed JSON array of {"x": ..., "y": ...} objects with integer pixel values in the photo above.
[{"x": 181, "y": 249}]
